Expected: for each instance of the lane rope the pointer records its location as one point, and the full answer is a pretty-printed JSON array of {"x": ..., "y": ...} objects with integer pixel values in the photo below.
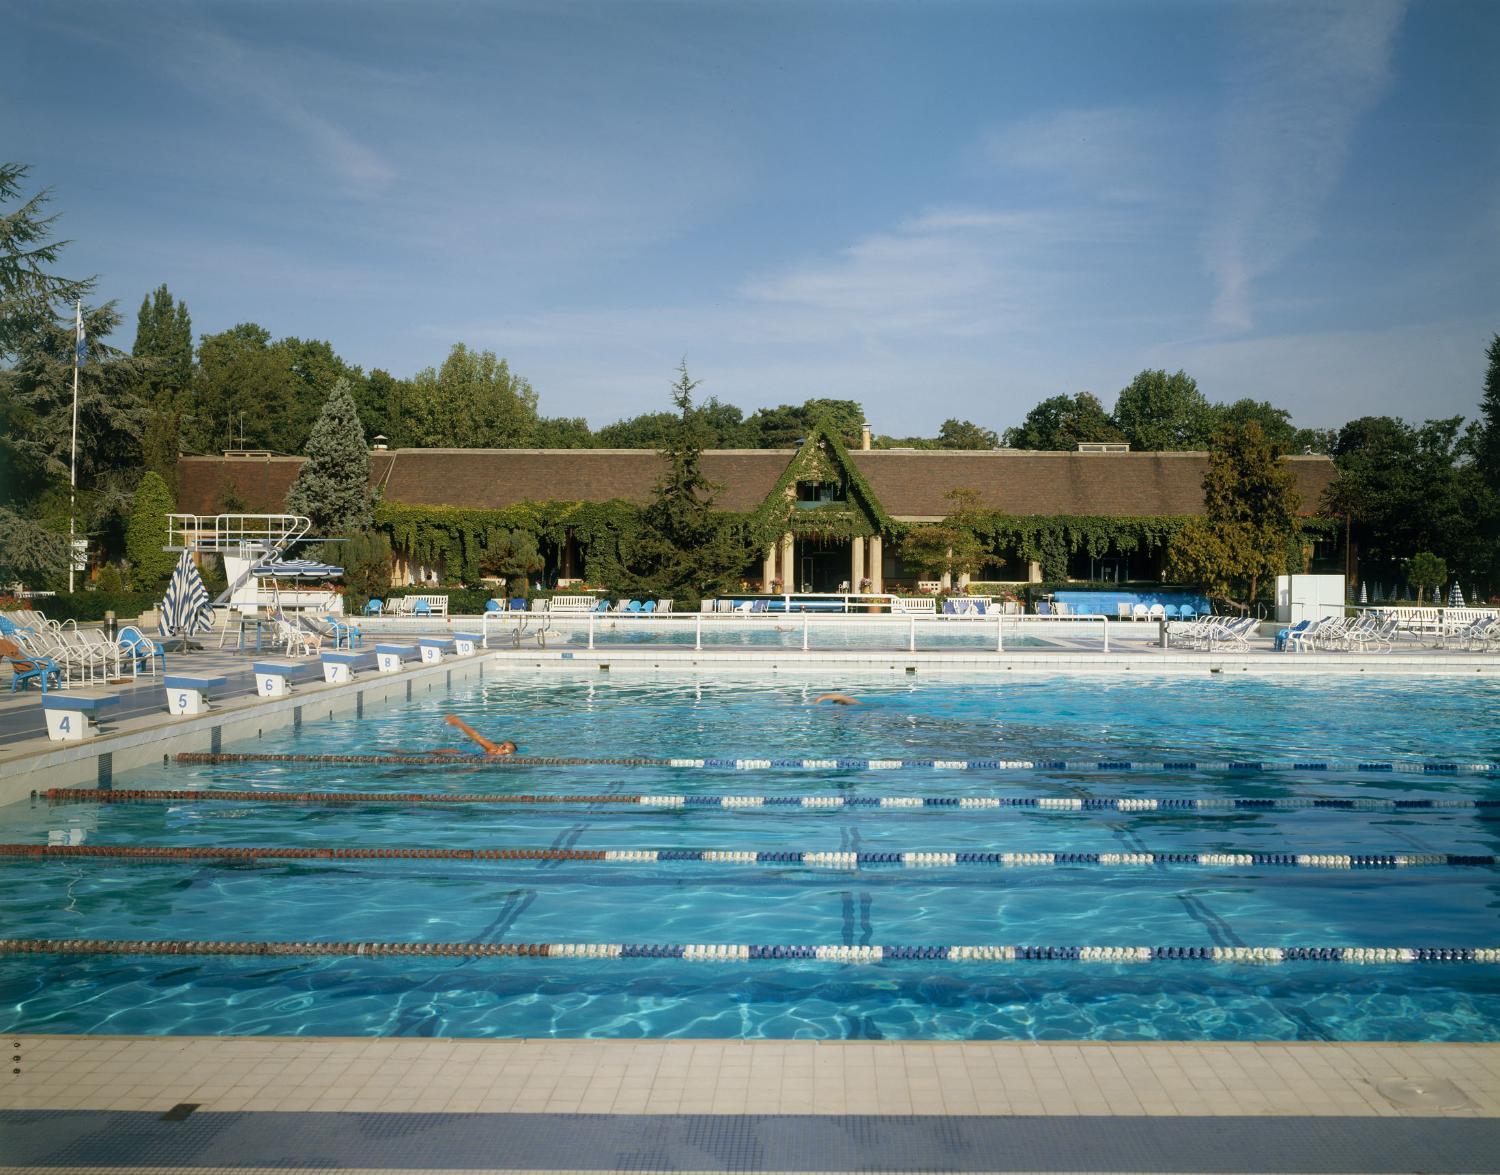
[
  {"x": 1132, "y": 804},
  {"x": 815, "y": 858},
  {"x": 1404, "y": 767},
  {"x": 742, "y": 952}
]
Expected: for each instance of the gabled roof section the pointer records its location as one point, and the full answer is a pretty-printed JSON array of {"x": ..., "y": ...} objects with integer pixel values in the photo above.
[{"x": 822, "y": 453}]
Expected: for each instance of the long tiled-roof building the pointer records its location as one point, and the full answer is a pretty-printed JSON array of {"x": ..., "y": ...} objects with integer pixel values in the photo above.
[{"x": 875, "y": 486}]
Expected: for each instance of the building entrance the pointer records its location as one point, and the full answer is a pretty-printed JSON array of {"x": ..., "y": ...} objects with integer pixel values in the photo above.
[{"x": 823, "y": 565}]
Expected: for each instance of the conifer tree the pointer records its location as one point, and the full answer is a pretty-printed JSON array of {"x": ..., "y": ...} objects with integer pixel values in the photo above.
[
  {"x": 333, "y": 486},
  {"x": 164, "y": 342},
  {"x": 146, "y": 533}
]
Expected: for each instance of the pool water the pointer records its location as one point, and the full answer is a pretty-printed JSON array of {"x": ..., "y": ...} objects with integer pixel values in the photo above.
[{"x": 591, "y": 715}]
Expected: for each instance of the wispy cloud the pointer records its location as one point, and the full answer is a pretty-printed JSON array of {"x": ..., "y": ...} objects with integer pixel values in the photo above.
[
  {"x": 1305, "y": 75},
  {"x": 1113, "y": 154}
]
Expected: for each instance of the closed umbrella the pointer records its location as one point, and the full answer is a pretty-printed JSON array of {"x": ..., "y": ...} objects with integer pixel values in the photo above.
[
  {"x": 1364, "y": 593},
  {"x": 1456, "y": 600},
  {"x": 186, "y": 608}
]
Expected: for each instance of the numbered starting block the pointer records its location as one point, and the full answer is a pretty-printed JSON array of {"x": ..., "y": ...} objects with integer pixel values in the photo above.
[
  {"x": 272, "y": 679},
  {"x": 73, "y": 717},
  {"x": 338, "y": 668},
  {"x": 466, "y": 644},
  {"x": 433, "y": 648},
  {"x": 390, "y": 658},
  {"x": 189, "y": 694}
]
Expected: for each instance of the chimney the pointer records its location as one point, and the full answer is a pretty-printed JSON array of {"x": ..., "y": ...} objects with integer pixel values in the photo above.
[
  {"x": 379, "y": 444},
  {"x": 864, "y": 435}
]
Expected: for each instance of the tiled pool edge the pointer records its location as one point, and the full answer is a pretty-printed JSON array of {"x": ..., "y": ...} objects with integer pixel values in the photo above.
[{"x": 953, "y": 1078}]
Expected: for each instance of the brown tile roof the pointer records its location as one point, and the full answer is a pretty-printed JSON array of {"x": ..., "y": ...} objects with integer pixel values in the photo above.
[
  {"x": 912, "y": 484},
  {"x": 908, "y": 484}
]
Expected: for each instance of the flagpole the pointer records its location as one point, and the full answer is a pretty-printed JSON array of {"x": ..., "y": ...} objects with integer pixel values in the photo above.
[{"x": 73, "y": 450}]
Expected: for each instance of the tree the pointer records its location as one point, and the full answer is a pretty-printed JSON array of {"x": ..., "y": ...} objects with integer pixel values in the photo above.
[
  {"x": 333, "y": 485},
  {"x": 164, "y": 342},
  {"x": 651, "y": 430},
  {"x": 949, "y": 547},
  {"x": 784, "y": 426},
  {"x": 30, "y": 554},
  {"x": 965, "y": 434},
  {"x": 686, "y": 549},
  {"x": 472, "y": 402},
  {"x": 146, "y": 533},
  {"x": 366, "y": 560},
  {"x": 1250, "y": 525},
  {"x": 246, "y": 395},
  {"x": 1425, "y": 571},
  {"x": 1062, "y": 423},
  {"x": 29, "y": 293},
  {"x": 513, "y": 554},
  {"x": 1486, "y": 447},
  {"x": 1157, "y": 411}
]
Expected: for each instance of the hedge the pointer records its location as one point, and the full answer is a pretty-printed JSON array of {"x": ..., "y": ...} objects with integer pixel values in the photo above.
[{"x": 91, "y": 606}]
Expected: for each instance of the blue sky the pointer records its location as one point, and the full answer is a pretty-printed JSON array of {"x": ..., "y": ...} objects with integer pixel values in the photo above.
[{"x": 937, "y": 208}]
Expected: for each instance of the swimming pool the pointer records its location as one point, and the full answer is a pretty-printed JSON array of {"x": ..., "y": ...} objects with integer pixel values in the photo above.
[{"x": 1085, "y": 894}]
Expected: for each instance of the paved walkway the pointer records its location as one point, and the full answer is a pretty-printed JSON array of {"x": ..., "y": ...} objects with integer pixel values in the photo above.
[{"x": 93, "y": 1103}]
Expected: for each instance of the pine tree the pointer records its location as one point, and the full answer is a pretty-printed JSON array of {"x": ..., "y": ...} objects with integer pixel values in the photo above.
[
  {"x": 333, "y": 486},
  {"x": 146, "y": 533},
  {"x": 164, "y": 341}
]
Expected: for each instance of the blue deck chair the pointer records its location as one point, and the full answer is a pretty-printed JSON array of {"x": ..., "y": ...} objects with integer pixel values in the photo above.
[
  {"x": 649, "y": 606},
  {"x": 517, "y": 604},
  {"x": 1043, "y": 608},
  {"x": 602, "y": 605},
  {"x": 1284, "y": 637},
  {"x": 1186, "y": 612},
  {"x": 493, "y": 606},
  {"x": 28, "y": 668},
  {"x": 1170, "y": 612},
  {"x": 140, "y": 648},
  {"x": 632, "y": 605},
  {"x": 374, "y": 607},
  {"x": 421, "y": 608}
]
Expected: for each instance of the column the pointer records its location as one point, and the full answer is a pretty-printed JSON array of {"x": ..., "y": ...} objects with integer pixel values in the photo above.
[
  {"x": 1033, "y": 572},
  {"x": 877, "y": 565},
  {"x": 963, "y": 581},
  {"x": 788, "y": 571},
  {"x": 856, "y": 562},
  {"x": 947, "y": 578},
  {"x": 768, "y": 568}
]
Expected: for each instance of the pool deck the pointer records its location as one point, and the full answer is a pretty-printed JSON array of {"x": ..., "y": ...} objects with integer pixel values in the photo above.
[{"x": 95, "y": 1103}]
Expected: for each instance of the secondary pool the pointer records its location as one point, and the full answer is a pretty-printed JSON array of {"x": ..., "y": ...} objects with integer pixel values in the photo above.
[{"x": 998, "y": 887}]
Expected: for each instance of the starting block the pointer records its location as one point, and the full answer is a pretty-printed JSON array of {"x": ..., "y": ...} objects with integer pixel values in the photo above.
[
  {"x": 188, "y": 694},
  {"x": 338, "y": 668},
  {"x": 389, "y": 658},
  {"x": 465, "y": 644},
  {"x": 433, "y": 648},
  {"x": 72, "y": 717},
  {"x": 272, "y": 679}
]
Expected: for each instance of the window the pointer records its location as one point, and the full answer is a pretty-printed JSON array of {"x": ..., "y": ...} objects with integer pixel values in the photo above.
[{"x": 812, "y": 494}]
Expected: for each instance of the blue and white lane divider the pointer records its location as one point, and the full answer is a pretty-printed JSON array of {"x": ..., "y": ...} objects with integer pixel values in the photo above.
[
  {"x": 746, "y": 952},
  {"x": 1245, "y": 766},
  {"x": 920, "y": 860},
  {"x": 1064, "y": 803}
]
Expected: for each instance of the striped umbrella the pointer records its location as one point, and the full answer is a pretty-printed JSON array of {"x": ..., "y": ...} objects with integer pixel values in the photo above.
[
  {"x": 186, "y": 608},
  {"x": 1364, "y": 593},
  {"x": 1456, "y": 600}
]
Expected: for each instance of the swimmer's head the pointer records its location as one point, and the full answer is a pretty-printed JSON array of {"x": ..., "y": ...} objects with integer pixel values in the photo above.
[{"x": 506, "y": 748}]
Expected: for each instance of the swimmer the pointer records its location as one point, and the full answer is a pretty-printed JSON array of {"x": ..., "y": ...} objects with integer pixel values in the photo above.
[
  {"x": 492, "y": 750},
  {"x": 837, "y": 700}
]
